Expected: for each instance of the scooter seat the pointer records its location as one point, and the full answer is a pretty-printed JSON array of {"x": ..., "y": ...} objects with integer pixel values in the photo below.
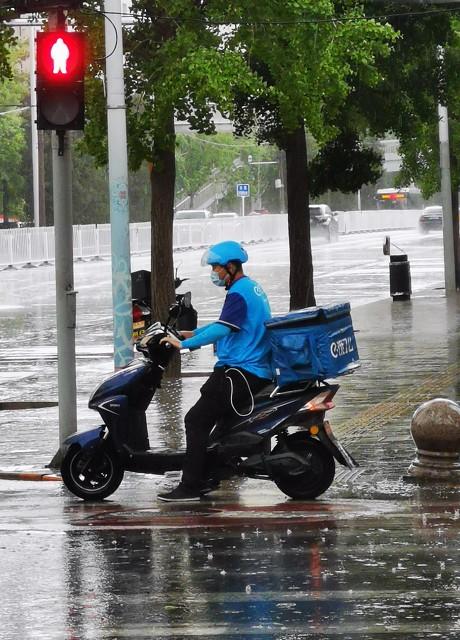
[
  {"x": 264, "y": 392},
  {"x": 295, "y": 387}
]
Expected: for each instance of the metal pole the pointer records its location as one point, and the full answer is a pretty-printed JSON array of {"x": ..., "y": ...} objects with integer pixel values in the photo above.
[
  {"x": 446, "y": 192},
  {"x": 65, "y": 293},
  {"x": 118, "y": 187},
  {"x": 33, "y": 128}
]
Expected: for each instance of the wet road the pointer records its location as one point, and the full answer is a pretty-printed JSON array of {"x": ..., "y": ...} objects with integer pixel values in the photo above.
[
  {"x": 353, "y": 269},
  {"x": 246, "y": 565},
  {"x": 375, "y": 558}
]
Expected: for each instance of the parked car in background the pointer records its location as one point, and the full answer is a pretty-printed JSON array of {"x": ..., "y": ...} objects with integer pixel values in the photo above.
[
  {"x": 192, "y": 214},
  {"x": 431, "y": 219},
  {"x": 324, "y": 222},
  {"x": 225, "y": 214}
]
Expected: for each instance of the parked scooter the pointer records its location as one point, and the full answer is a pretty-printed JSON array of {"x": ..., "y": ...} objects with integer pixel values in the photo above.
[
  {"x": 284, "y": 437},
  {"x": 142, "y": 312}
]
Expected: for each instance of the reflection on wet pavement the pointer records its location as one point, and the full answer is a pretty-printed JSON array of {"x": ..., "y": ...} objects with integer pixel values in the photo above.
[{"x": 342, "y": 568}]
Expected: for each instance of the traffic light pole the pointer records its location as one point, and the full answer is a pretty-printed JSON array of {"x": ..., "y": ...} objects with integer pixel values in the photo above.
[
  {"x": 65, "y": 293},
  {"x": 118, "y": 187}
]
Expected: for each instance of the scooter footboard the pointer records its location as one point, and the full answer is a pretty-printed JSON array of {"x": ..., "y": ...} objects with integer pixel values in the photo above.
[{"x": 155, "y": 461}]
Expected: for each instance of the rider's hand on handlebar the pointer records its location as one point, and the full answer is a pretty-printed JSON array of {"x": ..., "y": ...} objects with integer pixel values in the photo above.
[{"x": 172, "y": 341}]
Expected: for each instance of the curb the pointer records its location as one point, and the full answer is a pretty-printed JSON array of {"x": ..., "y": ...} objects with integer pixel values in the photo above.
[{"x": 30, "y": 475}]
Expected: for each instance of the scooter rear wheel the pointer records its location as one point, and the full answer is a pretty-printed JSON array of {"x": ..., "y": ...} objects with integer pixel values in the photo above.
[
  {"x": 317, "y": 478},
  {"x": 92, "y": 473}
]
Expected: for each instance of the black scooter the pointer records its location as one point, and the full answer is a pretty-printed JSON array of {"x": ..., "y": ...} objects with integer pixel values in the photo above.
[{"x": 285, "y": 438}]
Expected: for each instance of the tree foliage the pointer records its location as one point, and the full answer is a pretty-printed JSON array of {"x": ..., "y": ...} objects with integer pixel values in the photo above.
[
  {"x": 344, "y": 164},
  {"x": 310, "y": 56},
  {"x": 13, "y": 92},
  {"x": 283, "y": 64}
]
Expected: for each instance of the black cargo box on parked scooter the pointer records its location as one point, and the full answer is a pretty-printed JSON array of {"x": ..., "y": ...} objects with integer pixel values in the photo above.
[{"x": 140, "y": 285}]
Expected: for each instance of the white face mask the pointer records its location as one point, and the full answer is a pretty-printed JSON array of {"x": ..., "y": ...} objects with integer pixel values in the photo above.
[{"x": 216, "y": 280}]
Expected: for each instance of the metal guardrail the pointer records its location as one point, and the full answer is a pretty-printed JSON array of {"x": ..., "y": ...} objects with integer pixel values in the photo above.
[{"x": 34, "y": 246}]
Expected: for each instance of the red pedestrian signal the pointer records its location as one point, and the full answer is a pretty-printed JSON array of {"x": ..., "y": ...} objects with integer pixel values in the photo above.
[{"x": 60, "y": 80}]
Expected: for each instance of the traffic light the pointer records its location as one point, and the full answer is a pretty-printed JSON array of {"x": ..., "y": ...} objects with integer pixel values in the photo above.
[{"x": 60, "y": 80}]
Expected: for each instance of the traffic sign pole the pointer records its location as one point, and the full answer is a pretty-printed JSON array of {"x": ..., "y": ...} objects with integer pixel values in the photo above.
[{"x": 242, "y": 191}]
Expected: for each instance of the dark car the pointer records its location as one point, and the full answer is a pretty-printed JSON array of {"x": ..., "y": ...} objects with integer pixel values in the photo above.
[
  {"x": 323, "y": 222},
  {"x": 431, "y": 219}
]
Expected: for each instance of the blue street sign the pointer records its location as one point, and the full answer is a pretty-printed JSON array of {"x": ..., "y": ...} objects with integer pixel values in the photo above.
[{"x": 242, "y": 190}]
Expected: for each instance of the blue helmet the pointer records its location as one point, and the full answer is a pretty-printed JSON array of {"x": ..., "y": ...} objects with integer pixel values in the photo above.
[{"x": 224, "y": 252}]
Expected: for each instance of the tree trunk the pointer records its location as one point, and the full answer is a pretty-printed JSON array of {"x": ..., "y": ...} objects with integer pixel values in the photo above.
[
  {"x": 162, "y": 181},
  {"x": 301, "y": 266},
  {"x": 455, "y": 187}
]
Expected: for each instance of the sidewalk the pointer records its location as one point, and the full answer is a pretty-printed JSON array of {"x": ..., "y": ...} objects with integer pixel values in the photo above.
[{"x": 410, "y": 353}]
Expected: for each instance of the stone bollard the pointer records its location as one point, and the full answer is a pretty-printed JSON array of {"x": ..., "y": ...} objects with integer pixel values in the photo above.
[{"x": 435, "y": 428}]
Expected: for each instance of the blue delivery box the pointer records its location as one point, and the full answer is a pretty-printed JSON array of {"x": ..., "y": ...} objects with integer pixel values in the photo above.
[{"x": 313, "y": 344}]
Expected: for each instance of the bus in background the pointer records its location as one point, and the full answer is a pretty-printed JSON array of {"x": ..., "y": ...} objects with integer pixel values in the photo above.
[{"x": 404, "y": 198}]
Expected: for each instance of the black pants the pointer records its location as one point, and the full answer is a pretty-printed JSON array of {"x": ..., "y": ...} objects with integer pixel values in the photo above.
[{"x": 215, "y": 403}]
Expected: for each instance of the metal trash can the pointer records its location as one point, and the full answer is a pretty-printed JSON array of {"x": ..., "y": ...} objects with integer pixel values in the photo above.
[{"x": 400, "y": 282}]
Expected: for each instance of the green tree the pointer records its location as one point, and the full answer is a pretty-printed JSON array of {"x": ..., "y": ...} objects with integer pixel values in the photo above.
[
  {"x": 174, "y": 64},
  {"x": 416, "y": 78},
  {"x": 284, "y": 61},
  {"x": 344, "y": 164},
  {"x": 309, "y": 55}
]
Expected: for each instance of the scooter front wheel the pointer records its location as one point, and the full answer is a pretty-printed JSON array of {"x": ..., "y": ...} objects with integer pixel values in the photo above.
[
  {"x": 92, "y": 473},
  {"x": 319, "y": 475}
]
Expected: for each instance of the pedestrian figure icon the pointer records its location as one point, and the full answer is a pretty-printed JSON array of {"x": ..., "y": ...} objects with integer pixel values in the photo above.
[{"x": 60, "y": 54}]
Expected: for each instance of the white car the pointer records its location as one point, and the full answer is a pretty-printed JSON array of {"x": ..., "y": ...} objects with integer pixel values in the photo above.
[
  {"x": 431, "y": 219},
  {"x": 192, "y": 214},
  {"x": 324, "y": 222}
]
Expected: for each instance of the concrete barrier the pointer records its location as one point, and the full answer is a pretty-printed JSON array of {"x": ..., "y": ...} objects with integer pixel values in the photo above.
[{"x": 382, "y": 220}]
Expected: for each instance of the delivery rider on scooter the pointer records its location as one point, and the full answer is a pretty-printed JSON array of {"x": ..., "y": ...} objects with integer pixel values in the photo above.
[{"x": 242, "y": 368}]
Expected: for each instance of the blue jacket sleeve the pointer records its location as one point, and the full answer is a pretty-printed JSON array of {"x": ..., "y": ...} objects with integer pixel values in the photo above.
[
  {"x": 207, "y": 335},
  {"x": 200, "y": 329}
]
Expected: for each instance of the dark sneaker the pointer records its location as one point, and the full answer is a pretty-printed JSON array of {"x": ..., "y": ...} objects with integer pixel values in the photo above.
[{"x": 180, "y": 494}]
